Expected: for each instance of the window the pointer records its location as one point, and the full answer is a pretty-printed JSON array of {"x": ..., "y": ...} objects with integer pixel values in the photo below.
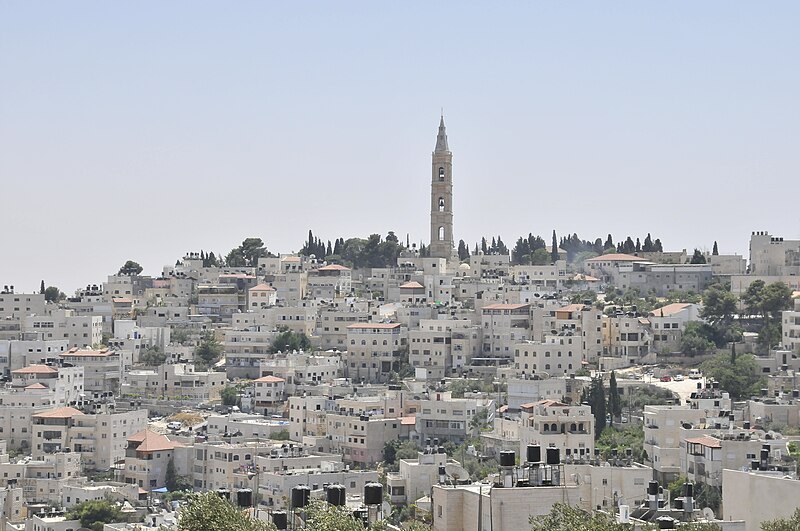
[
  {"x": 441, "y": 204},
  {"x": 441, "y": 233},
  {"x": 441, "y": 174}
]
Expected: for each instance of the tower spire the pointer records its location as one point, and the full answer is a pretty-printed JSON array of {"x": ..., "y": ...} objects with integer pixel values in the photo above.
[{"x": 441, "y": 138}]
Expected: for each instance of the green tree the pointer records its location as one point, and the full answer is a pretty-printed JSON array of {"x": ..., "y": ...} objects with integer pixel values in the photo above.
[
  {"x": 287, "y": 341},
  {"x": 540, "y": 257},
  {"x": 208, "y": 351},
  {"x": 229, "y": 395},
  {"x": 53, "y": 294},
  {"x": 597, "y": 401},
  {"x": 152, "y": 356},
  {"x": 741, "y": 378},
  {"x": 715, "y": 250},
  {"x": 130, "y": 268},
  {"x": 791, "y": 523},
  {"x": 614, "y": 402},
  {"x": 621, "y": 439},
  {"x": 564, "y": 517},
  {"x": 41, "y": 288},
  {"x": 697, "y": 257},
  {"x": 719, "y": 306},
  {"x": 210, "y": 512},
  {"x": 463, "y": 250},
  {"x": 174, "y": 482},
  {"x": 94, "y": 514},
  {"x": 554, "y": 249},
  {"x": 752, "y": 296},
  {"x": 322, "y": 516},
  {"x": 247, "y": 254}
]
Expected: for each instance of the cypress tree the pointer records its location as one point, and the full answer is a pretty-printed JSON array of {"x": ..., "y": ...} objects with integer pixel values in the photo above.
[
  {"x": 41, "y": 288},
  {"x": 554, "y": 250},
  {"x": 715, "y": 251},
  {"x": 614, "y": 402}
]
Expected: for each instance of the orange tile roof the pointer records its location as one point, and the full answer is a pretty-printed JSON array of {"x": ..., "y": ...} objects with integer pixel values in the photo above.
[
  {"x": 412, "y": 285},
  {"x": 616, "y": 257},
  {"x": 270, "y": 378},
  {"x": 334, "y": 267},
  {"x": 380, "y": 326},
  {"x": 669, "y": 309},
  {"x": 58, "y": 413},
  {"x": 580, "y": 277},
  {"x": 151, "y": 441},
  {"x": 571, "y": 308},
  {"x": 408, "y": 421},
  {"x": 705, "y": 440},
  {"x": 121, "y": 299},
  {"x": 87, "y": 352},
  {"x": 35, "y": 369},
  {"x": 262, "y": 287},
  {"x": 37, "y": 385}
]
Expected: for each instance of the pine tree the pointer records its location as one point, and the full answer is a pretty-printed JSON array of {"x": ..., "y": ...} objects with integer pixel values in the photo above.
[
  {"x": 554, "y": 250},
  {"x": 609, "y": 243},
  {"x": 715, "y": 251},
  {"x": 657, "y": 246},
  {"x": 597, "y": 399},
  {"x": 328, "y": 249},
  {"x": 41, "y": 288},
  {"x": 648, "y": 244},
  {"x": 638, "y": 246},
  {"x": 484, "y": 247},
  {"x": 463, "y": 250},
  {"x": 614, "y": 401}
]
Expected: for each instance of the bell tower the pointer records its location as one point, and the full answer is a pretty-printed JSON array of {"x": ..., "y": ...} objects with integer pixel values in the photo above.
[{"x": 442, "y": 198}]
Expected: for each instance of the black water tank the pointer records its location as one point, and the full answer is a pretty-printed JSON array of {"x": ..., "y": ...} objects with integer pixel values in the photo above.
[
  {"x": 336, "y": 495},
  {"x": 244, "y": 498},
  {"x": 373, "y": 493},
  {"x": 280, "y": 520},
  {"x": 300, "y": 496},
  {"x": 441, "y": 450},
  {"x": 553, "y": 456},
  {"x": 796, "y": 393},
  {"x": 754, "y": 465},
  {"x": 678, "y": 504},
  {"x": 629, "y": 452},
  {"x": 652, "y": 488},
  {"x": 534, "y": 453},
  {"x": 764, "y": 391},
  {"x": 507, "y": 458},
  {"x": 225, "y": 494},
  {"x": 665, "y": 522},
  {"x": 746, "y": 424},
  {"x": 442, "y": 471},
  {"x": 436, "y": 441},
  {"x": 688, "y": 490}
]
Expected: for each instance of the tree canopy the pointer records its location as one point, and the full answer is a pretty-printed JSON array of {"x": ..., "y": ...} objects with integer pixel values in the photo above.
[
  {"x": 130, "y": 268},
  {"x": 740, "y": 376},
  {"x": 247, "y": 254},
  {"x": 791, "y": 523},
  {"x": 53, "y": 294},
  {"x": 288, "y": 341},
  {"x": 564, "y": 517},
  {"x": 208, "y": 351},
  {"x": 94, "y": 514},
  {"x": 210, "y": 512}
]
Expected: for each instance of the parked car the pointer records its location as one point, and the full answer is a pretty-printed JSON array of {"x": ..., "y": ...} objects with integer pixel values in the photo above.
[
  {"x": 695, "y": 374},
  {"x": 666, "y": 378},
  {"x": 174, "y": 425},
  {"x": 678, "y": 378}
]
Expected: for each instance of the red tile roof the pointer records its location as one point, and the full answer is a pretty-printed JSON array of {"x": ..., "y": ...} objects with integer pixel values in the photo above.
[
  {"x": 262, "y": 287},
  {"x": 412, "y": 285},
  {"x": 151, "y": 441},
  {"x": 334, "y": 267},
  {"x": 616, "y": 257},
  {"x": 670, "y": 309},
  {"x": 58, "y": 413},
  {"x": 35, "y": 369},
  {"x": 270, "y": 379},
  {"x": 87, "y": 352},
  {"x": 705, "y": 440},
  {"x": 37, "y": 385}
]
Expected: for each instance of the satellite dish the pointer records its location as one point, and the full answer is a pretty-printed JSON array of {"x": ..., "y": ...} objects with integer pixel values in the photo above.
[
  {"x": 709, "y": 514},
  {"x": 456, "y": 471}
]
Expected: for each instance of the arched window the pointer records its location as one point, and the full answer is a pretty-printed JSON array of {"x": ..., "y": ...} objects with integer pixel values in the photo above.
[
  {"x": 553, "y": 427},
  {"x": 546, "y": 427},
  {"x": 441, "y": 204},
  {"x": 441, "y": 174},
  {"x": 441, "y": 233}
]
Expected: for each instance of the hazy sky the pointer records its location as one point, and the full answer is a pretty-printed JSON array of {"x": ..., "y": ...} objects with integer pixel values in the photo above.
[{"x": 143, "y": 130}]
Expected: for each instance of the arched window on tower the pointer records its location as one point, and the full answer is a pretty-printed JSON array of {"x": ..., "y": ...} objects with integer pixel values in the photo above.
[
  {"x": 441, "y": 204},
  {"x": 441, "y": 174},
  {"x": 441, "y": 233}
]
